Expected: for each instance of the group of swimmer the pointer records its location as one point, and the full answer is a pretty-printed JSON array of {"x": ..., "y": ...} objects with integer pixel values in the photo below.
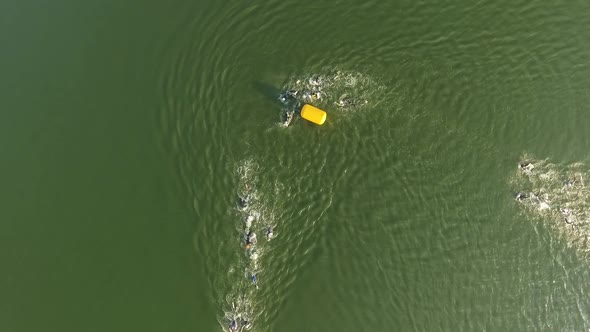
[
  {"x": 251, "y": 217},
  {"x": 250, "y": 238},
  {"x": 542, "y": 199},
  {"x": 235, "y": 324},
  {"x": 309, "y": 91},
  {"x": 293, "y": 99}
]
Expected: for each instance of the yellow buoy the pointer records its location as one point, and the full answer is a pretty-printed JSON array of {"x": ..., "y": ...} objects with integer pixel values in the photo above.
[{"x": 313, "y": 114}]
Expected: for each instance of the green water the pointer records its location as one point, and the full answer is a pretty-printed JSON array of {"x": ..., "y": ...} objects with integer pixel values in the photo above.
[{"x": 129, "y": 129}]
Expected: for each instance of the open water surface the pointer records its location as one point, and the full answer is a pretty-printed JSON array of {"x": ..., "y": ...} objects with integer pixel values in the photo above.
[{"x": 129, "y": 132}]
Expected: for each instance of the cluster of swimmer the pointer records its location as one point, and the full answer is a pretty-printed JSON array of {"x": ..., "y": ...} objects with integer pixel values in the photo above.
[
  {"x": 235, "y": 323},
  {"x": 250, "y": 242},
  {"x": 542, "y": 200},
  {"x": 309, "y": 91},
  {"x": 250, "y": 239}
]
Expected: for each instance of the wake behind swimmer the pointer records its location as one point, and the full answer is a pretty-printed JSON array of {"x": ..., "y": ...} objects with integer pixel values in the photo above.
[{"x": 252, "y": 221}]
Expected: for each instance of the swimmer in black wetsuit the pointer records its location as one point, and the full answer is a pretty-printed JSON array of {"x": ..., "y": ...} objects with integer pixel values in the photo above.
[
  {"x": 288, "y": 96},
  {"x": 521, "y": 196},
  {"x": 246, "y": 324},
  {"x": 288, "y": 115},
  {"x": 251, "y": 238},
  {"x": 315, "y": 81},
  {"x": 344, "y": 102},
  {"x": 567, "y": 215},
  {"x": 525, "y": 166},
  {"x": 248, "y": 221},
  {"x": 315, "y": 95},
  {"x": 254, "y": 279},
  {"x": 243, "y": 202},
  {"x": 269, "y": 234},
  {"x": 233, "y": 325}
]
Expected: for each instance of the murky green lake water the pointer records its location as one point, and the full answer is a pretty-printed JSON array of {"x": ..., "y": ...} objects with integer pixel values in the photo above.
[{"x": 130, "y": 130}]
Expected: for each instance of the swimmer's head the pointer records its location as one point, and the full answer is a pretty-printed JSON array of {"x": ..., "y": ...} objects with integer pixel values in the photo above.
[
  {"x": 247, "y": 246},
  {"x": 525, "y": 165},
  {"x": 243, "y": 202}
]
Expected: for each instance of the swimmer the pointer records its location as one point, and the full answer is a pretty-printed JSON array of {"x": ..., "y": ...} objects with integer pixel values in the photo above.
[
  {"x": 243, "y": 202},
  {"x": 269, "y": 233},
  {"x": 521, "y": 196},
  {"x": 567, "y": 215},
  {"x": 251, "y": 238},
  {"x": 526, "y": 166},
  {"x": 233, "y": 325},
  {"x": 289, "y": 99},
  {"x": 535, "y": 198},
  {"x": 540, "y": 199},
  {"x": 253, "y": 254},
  {"x": 315, "y": 95},
  {"x": 289, "y": 94},
  {"x": 570, "y": 182},
  {"x": 288, "y": 118},
  {"x": 344, "y": 102},
  {"x": 254, "y": 280},
  {"x": 248, "y": 221},
  {"x": 315, "y": 81}
]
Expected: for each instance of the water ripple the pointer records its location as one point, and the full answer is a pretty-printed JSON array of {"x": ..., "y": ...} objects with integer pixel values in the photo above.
[{"x": 437, "y": 80}]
